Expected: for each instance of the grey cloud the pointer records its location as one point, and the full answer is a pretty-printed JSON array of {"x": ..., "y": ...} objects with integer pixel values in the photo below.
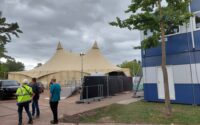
[{"x": 76, "y": 23}]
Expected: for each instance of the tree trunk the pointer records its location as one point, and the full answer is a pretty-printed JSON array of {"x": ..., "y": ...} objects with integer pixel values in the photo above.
[{"x": 164, "y": 69}]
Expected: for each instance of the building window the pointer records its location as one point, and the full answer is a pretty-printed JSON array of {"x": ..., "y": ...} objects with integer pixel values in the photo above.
[
  {"x": 172, "y": 30},
  {"x": 197, "y": 20}
]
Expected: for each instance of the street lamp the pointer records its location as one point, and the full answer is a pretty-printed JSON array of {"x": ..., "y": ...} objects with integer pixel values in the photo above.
[{"x": 81, "y": 55}]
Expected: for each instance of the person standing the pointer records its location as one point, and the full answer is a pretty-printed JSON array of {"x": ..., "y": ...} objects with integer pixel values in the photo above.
[
  {"x": 51, "y": 82},
  {"x": 24, "y": 96},
  {"x": 55, "y": 90},
  {"x": 36, "y": 90}
]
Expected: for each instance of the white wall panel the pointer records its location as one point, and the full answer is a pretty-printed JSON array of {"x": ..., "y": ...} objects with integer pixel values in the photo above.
[
  {"x": 182, "y": 73},
  {"x": 196, "y": 73},
  {"x": 160, "y": 83},
  {"x": 144, "y": 74},
  {"x": 150, "y": 74}
]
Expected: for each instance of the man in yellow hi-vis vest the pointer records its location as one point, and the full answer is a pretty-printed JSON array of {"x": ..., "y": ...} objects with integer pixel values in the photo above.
[{"x": 24, "y": 96}]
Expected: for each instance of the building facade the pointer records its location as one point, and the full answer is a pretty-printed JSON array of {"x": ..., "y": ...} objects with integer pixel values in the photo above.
[{"x": 183, "y": 64}]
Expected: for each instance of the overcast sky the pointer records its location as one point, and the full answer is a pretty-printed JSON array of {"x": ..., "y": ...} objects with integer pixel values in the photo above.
[{"x": 76, "y": 23}]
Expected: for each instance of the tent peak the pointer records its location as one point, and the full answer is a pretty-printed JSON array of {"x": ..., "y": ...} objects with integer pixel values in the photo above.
[
  {"x": 95, "y": 45},
  {"x": 59, "y": 46}
]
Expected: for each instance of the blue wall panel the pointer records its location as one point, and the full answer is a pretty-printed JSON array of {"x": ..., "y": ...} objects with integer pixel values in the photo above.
[
  {"x": 153, "y": 52},
  {"x": 185, "y": 93},
  {"x": 195, "y": 5},
  {"x": 150, "y": 92},
  {"x": 179, "y": 43},
  {"x": 197, "y": 93},
  {"x": 176, "y": 59},
  {"x": 180, "y": 59},
  {"x": 151, "y": 61},
  {"x": 197, "y": 56},
  {"x": 175, "y": 44},
  {"x": 197, "y": 39}
]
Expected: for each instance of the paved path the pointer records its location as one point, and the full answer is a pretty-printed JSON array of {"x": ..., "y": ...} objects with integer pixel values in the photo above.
[{"x": 8, "y": 109}]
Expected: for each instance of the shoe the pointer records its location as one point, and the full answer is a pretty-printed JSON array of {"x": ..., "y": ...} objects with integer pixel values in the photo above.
[
  {"x": 37, "y": 116},
  {"x": 30, "y": 122},
  {"x": 53, "y": 122}
]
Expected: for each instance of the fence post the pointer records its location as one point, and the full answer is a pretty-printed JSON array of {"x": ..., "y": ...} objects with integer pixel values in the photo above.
[
  {"x": 87, "y": 92},
  {"x": 107, "y": 87}
]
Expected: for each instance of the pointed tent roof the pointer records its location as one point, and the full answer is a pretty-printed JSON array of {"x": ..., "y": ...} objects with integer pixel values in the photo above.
[
  {"x": 61, "y": 61},
  {"x": 59, "y": 46},
  {"x": 94, "y": 60},
  {"x": 95, "y": 46}
]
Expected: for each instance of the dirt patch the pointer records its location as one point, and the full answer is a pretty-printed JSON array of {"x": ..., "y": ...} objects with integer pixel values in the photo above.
[
  {"x": 107, "y": 119},
  {"x": 70, "y": 119},
  {"x": 75, "y": 118}
]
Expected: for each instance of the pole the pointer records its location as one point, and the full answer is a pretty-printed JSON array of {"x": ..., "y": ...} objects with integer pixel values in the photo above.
[
  {"x": 107, "y": 87},
  {"x": 81, "y": 55},
  {"x": 192, "y": 28},
  {"x": 81, "y": 68}
]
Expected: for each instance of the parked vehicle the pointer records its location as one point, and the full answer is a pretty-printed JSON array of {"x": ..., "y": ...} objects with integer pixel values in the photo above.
[{"x": 8, "y": 88}]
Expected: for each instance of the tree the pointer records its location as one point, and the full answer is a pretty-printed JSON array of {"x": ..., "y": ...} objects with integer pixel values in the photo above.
[
  {"x": 9, "y": 66},
  {"x": 14, "y": 65},
  {"x": 6, "y": 30},
  {"x": 38, "y": 65},
  {"x": 159, "y": 19},
  {"x": 134, "y": 66}
]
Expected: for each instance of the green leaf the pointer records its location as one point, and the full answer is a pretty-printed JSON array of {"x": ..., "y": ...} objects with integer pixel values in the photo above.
[
  {"x": 6, "y": 32},
  {"x": 19, "y": 31},
  {"x": 145, "y": 16}
]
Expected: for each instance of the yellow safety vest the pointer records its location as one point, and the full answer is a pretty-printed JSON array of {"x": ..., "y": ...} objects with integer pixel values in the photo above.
[{"x": 24, "y": 94}]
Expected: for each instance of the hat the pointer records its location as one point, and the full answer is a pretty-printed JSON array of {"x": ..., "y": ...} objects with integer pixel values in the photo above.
[{"x": 25, "y": 81}]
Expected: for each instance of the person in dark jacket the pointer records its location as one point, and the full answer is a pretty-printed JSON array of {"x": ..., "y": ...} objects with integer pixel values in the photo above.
[{"x": 35, "y": 105}]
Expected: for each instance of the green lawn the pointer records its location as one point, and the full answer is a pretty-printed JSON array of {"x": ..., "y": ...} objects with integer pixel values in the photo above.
[{"x": 143, "y": 112}]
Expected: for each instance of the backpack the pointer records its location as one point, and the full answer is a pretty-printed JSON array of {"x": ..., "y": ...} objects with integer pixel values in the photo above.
[{"x": 41, "y": 88}]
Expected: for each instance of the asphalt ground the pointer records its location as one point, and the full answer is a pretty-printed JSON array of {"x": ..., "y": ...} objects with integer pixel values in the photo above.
[{"x": 9, "y": 116}]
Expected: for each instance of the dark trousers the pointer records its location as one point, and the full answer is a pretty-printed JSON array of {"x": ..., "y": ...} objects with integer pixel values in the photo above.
[
  {"x": 54, "y": 109},
  {"x": 35, "y": 106},
  {"x": 20, "y": 110}
]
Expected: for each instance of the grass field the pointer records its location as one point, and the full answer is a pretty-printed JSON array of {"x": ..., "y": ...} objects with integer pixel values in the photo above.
[{"x": 143, "y": 112}]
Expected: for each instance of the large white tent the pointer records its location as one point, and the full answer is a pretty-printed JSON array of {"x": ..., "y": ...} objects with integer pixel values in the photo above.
[{"x": 66, "y": 66}]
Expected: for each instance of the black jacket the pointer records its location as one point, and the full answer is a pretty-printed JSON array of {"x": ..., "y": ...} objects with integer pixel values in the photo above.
[{"x": 36, "y": 90}]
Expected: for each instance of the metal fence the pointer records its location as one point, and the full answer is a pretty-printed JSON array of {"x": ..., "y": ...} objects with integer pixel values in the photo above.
[
  {"x": 88, "y": 93},
  {"x": 97, "y": 87}
]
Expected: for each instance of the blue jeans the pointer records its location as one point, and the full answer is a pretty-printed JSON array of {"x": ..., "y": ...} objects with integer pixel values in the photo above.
[
  {"x": 35, "y": 106},
  {"x": 20, "y": 110}
]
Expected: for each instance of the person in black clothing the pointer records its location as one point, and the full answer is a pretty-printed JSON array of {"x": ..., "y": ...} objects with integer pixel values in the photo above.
[{"x": 36, "y": 91}]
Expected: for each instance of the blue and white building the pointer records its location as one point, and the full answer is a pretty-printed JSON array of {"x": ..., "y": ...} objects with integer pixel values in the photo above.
[{"x": 183, "y": 64}]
